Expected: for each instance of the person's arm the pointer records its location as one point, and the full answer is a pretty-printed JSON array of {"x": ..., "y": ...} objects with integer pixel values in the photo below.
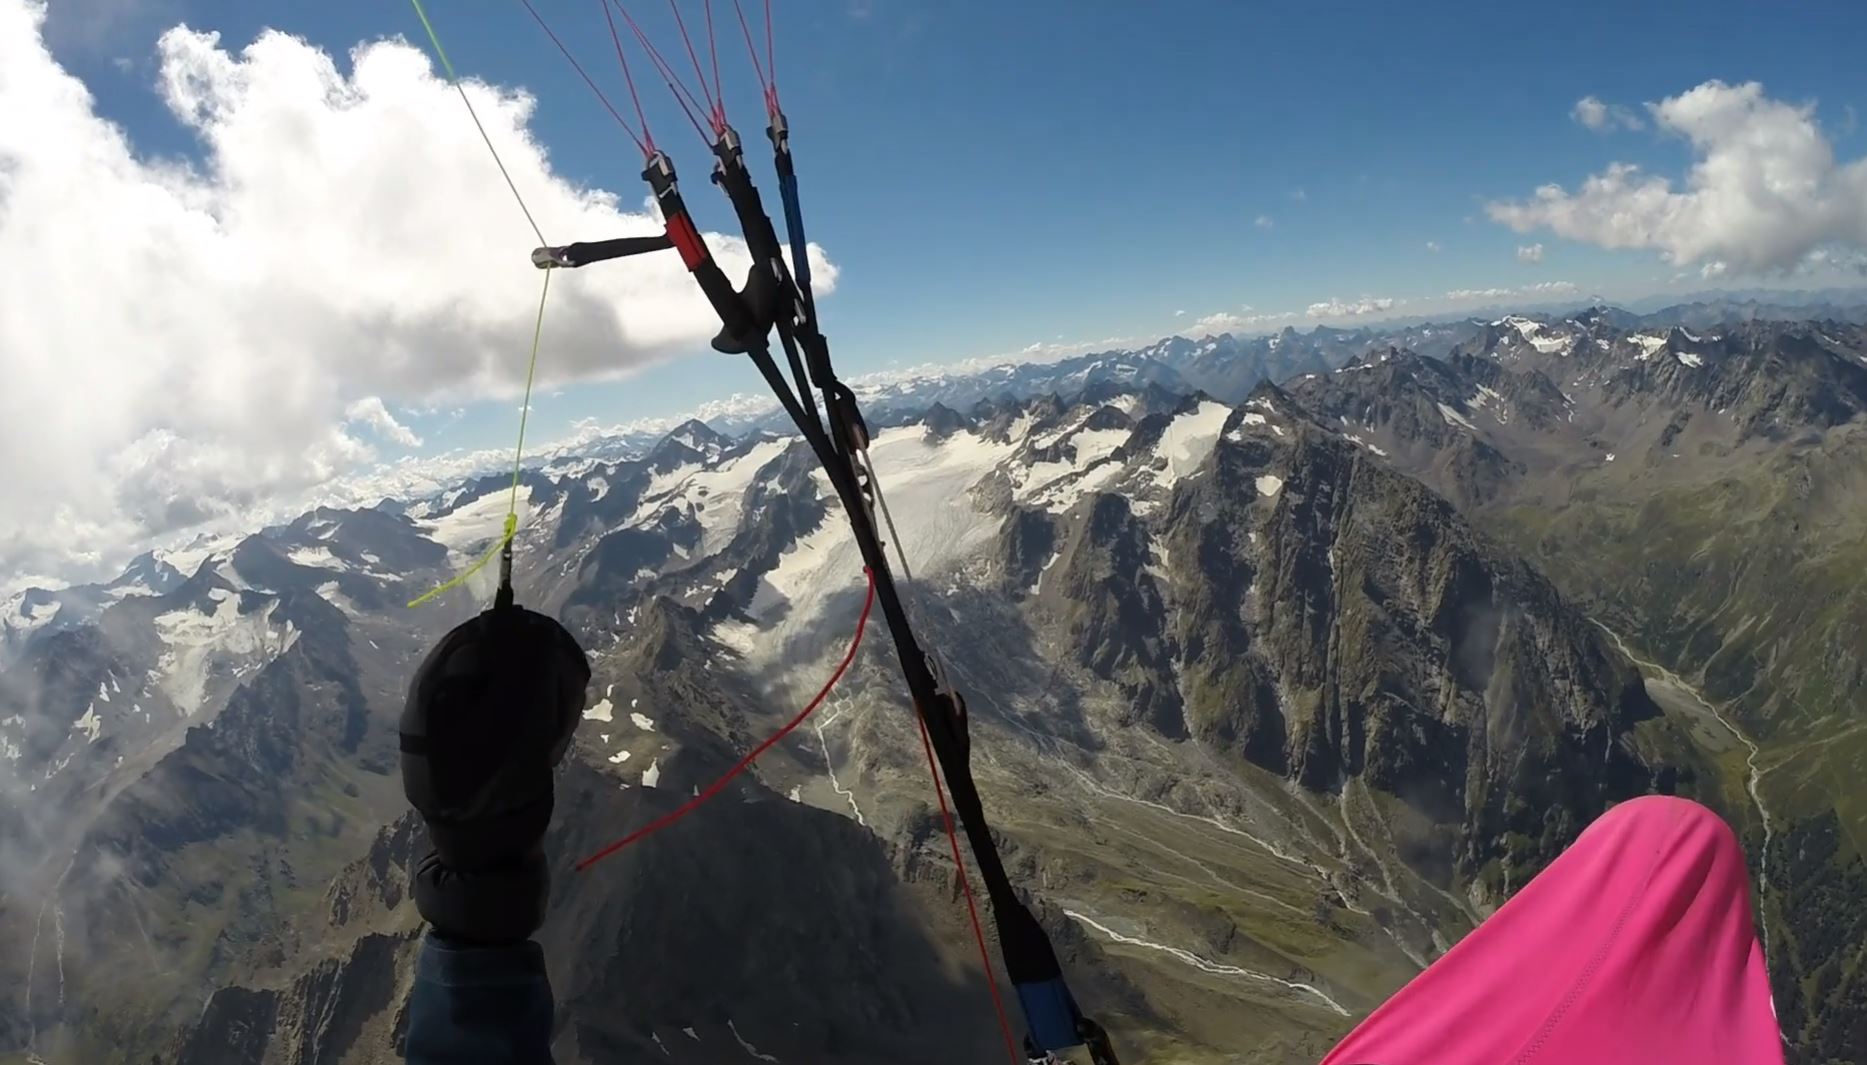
[
  {"x": 489, "y": 715},
  {"x": 479, "y": 1005}
]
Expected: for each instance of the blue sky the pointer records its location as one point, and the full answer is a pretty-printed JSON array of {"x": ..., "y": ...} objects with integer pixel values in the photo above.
[{"x": 990, "y": 175}]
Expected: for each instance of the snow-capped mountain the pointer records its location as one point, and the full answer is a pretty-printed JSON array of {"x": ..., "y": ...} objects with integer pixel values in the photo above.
[
  {"x": 1133, "y": 587},
  {"x": 1236, "y": 676}
]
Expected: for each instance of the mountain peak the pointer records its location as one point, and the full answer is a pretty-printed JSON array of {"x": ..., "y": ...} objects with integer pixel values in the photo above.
[
  {"x": 943, "y": 421},
  {"x": 697, "y": 435}
]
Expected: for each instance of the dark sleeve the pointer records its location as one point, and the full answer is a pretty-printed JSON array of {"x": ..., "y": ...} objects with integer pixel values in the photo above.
[{"x": 479, "y": 1005}]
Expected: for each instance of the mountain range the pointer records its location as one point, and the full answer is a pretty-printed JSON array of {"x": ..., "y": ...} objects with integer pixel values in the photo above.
[{"x": 1277, "y": 690}]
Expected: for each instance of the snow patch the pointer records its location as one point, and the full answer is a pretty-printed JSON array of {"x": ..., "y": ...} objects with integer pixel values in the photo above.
[
  {"x": 200, "y": 644},
  {"x": 1687, "y": 358},
  {"x": 620, "y": 757},
  {"x": 331, "y": 593},
  {"x": 599, "y": 487},
  {"x": 927, "y": 486},
  {"x": 1610, "y": 456},
  {"x": 1191, "y": 437},
  {"x": 90, "y": 724},
  {"x": 1486, "y": 396},
  {"x": 1453, "y": 417},
  {"x": 716, "y": 494},
  {"x": 1650, "y": 345},
  {"x": 651, "y": 777},
  {"x": 315, "y": 558},
  {"x": 1533, "y": 334},
  {"x": 748, "y": 1047},
  {"x": 468, "y": 529},
  {"x": 599, "y": 712},
  {"x": 642, "y": 721},
  {"x": 1269, "y": 484}
]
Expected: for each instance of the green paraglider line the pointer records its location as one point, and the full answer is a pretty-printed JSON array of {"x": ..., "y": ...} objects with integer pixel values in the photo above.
[
  {"x": 504, "y": 542},
  {"x": 448, "y": 66}
]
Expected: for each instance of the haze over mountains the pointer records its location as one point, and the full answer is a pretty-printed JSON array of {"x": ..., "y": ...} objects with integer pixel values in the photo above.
[{"x": 1277, "y": 690}]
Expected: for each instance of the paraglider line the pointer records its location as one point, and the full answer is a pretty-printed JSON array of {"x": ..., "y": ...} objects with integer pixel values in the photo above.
[
  {"x": 745, "y": 763},
  {"x": 518, "y": 460},
  {"x": 682, "y": 94},
  {"x": 714, "y": 107},
  {"x": 965, "y": 886},
  {"x": 771, "y": 99},
  {"x": 646, "y": 145},
  {"x": 719, "y": 87},
  {"x": 448, "y": 66},
  {"x": 626, "y": 75}
]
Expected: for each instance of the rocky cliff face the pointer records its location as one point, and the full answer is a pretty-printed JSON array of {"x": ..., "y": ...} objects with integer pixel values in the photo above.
[
  {"x": 1264, "y": 724},
  {"x": 1340, "y": 620},
  {"x": 1700, "y": 494}
]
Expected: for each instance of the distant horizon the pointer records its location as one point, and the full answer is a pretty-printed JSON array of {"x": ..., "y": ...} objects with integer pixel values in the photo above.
[{"x": 412, "y": 478}]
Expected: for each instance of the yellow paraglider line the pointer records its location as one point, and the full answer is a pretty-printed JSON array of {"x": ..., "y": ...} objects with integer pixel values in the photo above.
[
  {"x": 538, "y": 328},
  {"x": 518, "y": 459}
]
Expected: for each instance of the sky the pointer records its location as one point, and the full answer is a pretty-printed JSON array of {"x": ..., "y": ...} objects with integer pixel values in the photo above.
[{"x": 254, "y": 253}]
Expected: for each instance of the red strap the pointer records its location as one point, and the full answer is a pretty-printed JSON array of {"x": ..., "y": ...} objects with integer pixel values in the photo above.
[
  {"x": 746, "y": 763},
  {"x": 687, "y": 240}
]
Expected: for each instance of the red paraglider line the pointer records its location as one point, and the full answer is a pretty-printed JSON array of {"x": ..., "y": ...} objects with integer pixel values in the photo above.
[
  {"x": 626, "y": 75},
  {"x": 682, "y": 95},
  {"x": 972, "y": 908},
  {"x": 644, "y": 141},
  {"x": 715, "y": 108},
  {"x": 745, "y": 763},
  {"x": 758, "y": 68}
]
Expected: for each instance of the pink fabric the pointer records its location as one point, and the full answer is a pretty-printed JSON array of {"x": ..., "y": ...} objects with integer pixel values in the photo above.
[{"x": 1635, "y": 947}]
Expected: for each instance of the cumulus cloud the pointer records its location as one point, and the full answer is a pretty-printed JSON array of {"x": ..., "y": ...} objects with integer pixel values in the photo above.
[
  {"x": 1764, "y": 191},
  {"x": 1529, "y": 253},
  {"x": 1230, "y": 322},
  {"x": 1603, "y": 117},
  {"x": 1340, "y": 308},
  {"x": 202, "y": 340},
  {"x": 371, "y": 411},
  {"x": 1264, "y": 221},
  {"x": 1432, "y": 246}
]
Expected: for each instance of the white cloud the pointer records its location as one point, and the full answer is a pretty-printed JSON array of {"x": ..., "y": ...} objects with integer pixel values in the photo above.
[
  {"x": 1340, "y": 308},
  {"x": 1529, "y": 253},
  {"x": 1540, "y": 288},
  {"x": 1229, "y": 322},
  {"x": 189, "y": 341},
  {"x": 1299, "y": 195},
  {"x": 1603, "y": 117},
  {"x": 1764, "y": 192},
  {"x": 371, "y": 411},
  {"x": 1433, "y": 246},
  {"x": 1179, "y": 314},
  {"x": 1264, "y": 221}
]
